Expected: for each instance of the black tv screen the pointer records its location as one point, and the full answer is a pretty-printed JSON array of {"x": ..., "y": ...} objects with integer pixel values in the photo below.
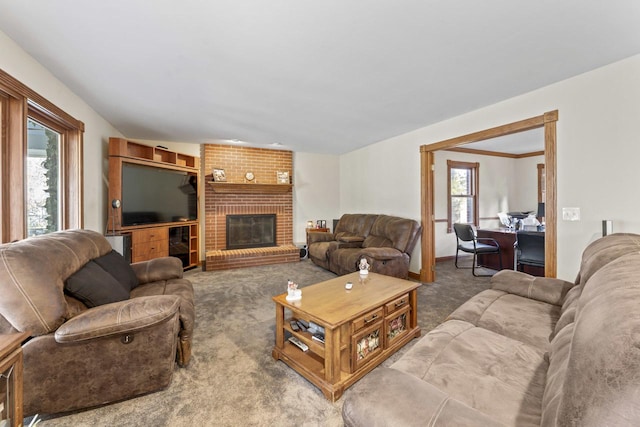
[{"x": 156, "y": 195}]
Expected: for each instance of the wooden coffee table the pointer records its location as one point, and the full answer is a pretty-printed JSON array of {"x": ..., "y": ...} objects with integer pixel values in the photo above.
[{"x": 363, "y": 326}]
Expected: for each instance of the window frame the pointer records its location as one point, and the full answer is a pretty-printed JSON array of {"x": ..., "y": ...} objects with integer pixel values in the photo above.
[
  {"x": 18, "y": 102},
  {"x": 474, "y": 169}
]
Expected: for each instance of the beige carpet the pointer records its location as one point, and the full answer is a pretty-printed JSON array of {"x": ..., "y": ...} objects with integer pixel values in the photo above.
[{"x": 232, "y": 379}]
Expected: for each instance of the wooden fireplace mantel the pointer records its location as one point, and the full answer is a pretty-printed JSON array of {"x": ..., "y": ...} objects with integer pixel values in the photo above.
[{"x": 242, "y": 188}]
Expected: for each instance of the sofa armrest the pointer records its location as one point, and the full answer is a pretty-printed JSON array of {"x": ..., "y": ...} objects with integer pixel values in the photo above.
[
  {"x": 382, "y": 253},
  {"x": 388, "y": 397},
  {"x": 545, "y": 289},
  {"x": 315, "y": 237},
  {"x": 164, "y": 268},
  {"x": 118, "y": 318}
]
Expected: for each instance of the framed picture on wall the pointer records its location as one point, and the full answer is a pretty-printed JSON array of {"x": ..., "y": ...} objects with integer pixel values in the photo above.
[
  {"x": 219, "y": 175},
  {"x": 282, "y": 177}
]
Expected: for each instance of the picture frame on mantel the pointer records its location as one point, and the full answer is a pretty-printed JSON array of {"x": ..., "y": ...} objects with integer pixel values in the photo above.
[
  {"x": 282, "y": 177},
  {"x": 219, "y": 175}
]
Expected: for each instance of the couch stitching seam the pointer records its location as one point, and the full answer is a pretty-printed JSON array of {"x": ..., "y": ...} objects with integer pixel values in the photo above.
[
  {"x": 149, "y": 316},
  {"x": 21, "y": 290},
  {"x": 436, "y": 415}
]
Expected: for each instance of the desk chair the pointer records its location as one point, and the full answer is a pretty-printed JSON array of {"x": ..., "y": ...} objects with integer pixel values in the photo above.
[
  {"x": 468, "y": 242},
  {"x": 528, "y": 249}
]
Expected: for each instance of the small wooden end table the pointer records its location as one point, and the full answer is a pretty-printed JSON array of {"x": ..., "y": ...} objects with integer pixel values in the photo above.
[
  {"x": 362, "y": 327},
  {"x": 11, "y": 381}
]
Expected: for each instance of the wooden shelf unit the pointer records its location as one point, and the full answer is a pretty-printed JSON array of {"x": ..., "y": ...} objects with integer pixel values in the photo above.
[
  {"x": 152, "y": 240},
  {"x": 137, "y": 152}
]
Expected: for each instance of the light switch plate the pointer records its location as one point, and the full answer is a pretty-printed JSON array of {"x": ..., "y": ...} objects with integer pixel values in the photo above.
[{"x": 571, "y": 214}]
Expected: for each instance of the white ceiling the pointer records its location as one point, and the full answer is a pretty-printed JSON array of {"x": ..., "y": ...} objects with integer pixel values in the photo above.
[{"x": 324, "y": 76}]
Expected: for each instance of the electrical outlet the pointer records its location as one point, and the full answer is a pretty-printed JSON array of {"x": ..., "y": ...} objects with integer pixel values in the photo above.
[{"x": 571, "y": 214}]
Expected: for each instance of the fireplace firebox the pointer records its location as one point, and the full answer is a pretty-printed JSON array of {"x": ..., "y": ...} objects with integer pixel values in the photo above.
[{"x": 251, "y": 231}]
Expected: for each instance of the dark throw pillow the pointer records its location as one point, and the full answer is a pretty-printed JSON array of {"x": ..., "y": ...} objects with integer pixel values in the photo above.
[
  {"x": 94, "y": 286},
  {"x": 115, "y": 264}
]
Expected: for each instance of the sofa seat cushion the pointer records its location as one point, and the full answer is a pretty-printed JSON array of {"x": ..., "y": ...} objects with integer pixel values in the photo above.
[
  {"x": 94, "y": 286},
  {"x": 520, "y": 318},
  {"x": 388, "y": 394},
  {"x": 345, "y": 260},
  {"x": 321, "y": 250},
  {"x": 497, "y": 375},
  {"x": 377, "y": 242}
]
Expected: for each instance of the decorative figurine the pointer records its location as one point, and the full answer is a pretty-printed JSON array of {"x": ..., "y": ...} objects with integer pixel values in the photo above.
[
  {"x": 293, "y": 293},
  {"x": 364, "y": 266}
]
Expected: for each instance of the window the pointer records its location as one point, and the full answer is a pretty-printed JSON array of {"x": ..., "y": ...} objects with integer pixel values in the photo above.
[
  {"x": 42, "y": 179},
  {"x": 462, "y": 192},
  {"x": 40, "y": 164}
]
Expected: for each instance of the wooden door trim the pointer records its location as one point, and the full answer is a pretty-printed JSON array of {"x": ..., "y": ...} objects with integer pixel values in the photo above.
[{"x": 548, "y": 122}]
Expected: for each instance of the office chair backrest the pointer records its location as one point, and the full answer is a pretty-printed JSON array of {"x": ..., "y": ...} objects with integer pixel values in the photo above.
[
  {"x": 531, "y": 245},
  {"x": 464, "y": 232}
]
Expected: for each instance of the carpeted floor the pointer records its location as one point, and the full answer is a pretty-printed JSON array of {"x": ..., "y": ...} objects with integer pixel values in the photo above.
[{"x": 232, "y": 379}]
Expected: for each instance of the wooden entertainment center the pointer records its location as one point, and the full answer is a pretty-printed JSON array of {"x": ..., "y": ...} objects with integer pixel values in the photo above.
[{"x": 148, "y": 241}]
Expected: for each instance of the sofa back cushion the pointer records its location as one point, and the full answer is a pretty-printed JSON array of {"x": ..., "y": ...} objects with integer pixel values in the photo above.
[
  {"x": 117, "y": 266},
  {"x": 33, "y": 272},
  {"x": 94, "y": 286},
  {"x": 354, "y": 225},
  {"x": 604, "y": 250},
  {"x": 599, "y": 377},
  {"x": 393, "y": 232}
]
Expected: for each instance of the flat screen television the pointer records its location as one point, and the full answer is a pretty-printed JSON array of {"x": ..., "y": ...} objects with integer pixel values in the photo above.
[{"x": 156, "y": 195}]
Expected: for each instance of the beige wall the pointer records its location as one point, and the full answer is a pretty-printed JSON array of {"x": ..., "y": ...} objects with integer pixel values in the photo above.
[
  {"x": 316, "y": 187},
  {"x": 597, "y": 155}
]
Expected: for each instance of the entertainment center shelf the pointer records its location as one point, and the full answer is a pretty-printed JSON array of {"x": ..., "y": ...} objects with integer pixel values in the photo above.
[
  {"x": 122, "y": 148},
  {"x": 162, "y": 220}
]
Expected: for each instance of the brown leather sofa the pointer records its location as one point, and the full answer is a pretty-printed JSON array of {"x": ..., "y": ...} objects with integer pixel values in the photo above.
[
  {"x": 385, "y": 241},
  {"x": 80, "y": 356},
  {"x": 530, "y": 351}
]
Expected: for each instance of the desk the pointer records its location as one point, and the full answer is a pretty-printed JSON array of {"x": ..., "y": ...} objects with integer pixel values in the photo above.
[{"x": 506, "y": 239}]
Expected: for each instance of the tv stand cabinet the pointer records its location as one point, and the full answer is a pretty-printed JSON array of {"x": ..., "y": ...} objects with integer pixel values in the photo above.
[{"x": 179, "y": 239}]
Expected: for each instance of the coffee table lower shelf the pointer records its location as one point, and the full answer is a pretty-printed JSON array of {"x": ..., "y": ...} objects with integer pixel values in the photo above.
[{"x": 311, "y": 366}]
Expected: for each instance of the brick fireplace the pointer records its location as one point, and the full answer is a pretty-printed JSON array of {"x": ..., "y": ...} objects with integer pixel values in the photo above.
[{"x": 258, "y": 197}]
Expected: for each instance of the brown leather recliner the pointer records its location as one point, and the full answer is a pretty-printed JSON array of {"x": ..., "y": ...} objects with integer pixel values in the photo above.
[
  {"x": 385, "y": 241},
  {"x": 77, "y": 356}
]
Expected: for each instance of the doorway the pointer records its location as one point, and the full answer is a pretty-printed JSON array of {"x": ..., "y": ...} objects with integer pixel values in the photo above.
[{"x": 548, "y": 122}]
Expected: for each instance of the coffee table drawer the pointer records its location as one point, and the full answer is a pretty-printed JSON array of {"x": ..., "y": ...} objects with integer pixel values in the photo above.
[
  {"x": 367, "y": 344},
  {"x": 366, "y": 320},
  {"x": 397, "y": 304},
  {"x": 396, "y": 325}
]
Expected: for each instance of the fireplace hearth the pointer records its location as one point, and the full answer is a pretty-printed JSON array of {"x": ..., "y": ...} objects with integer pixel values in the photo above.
[{"x": 251, "y": 231}]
